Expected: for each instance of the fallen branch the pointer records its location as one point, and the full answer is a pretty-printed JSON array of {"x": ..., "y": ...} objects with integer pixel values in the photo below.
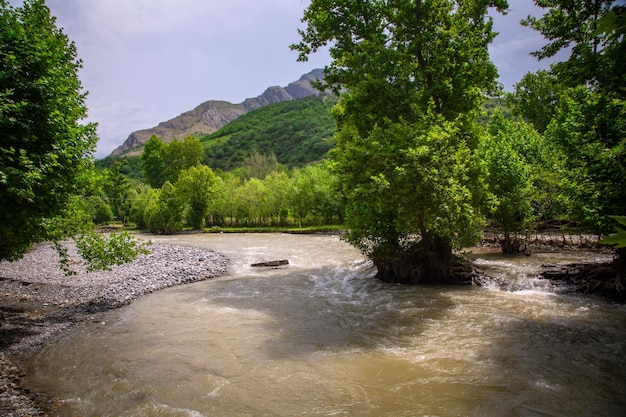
[{"x": 271, "y": 263}]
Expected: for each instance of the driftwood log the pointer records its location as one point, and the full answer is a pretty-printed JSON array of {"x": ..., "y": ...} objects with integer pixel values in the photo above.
[{"x": 271, "y": 263}]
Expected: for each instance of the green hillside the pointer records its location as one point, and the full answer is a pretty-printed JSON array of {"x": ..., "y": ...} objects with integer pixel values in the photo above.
[
  {"x": 297, "y": 132},
  {"x": 490, "y": 106}
]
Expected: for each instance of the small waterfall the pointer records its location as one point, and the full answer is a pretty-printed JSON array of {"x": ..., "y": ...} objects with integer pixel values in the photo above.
[{"x": 515, "y": 273}]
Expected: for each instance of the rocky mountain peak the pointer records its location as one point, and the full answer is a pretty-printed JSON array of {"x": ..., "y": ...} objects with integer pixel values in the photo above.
[{"x": 212, "y": 115}]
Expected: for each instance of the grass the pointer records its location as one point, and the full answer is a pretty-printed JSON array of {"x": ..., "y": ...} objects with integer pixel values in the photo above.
[{"x": 336, "y": 229}]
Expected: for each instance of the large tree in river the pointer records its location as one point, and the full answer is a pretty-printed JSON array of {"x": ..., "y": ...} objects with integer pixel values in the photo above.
[{"x": 412, "y": 75}]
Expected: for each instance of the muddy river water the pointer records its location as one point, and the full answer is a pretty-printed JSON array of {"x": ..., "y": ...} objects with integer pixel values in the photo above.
[{"x": 322, "y": 337}]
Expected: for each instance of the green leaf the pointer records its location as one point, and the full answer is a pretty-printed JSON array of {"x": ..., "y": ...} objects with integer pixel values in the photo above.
[{"x": 617, "y": 239}]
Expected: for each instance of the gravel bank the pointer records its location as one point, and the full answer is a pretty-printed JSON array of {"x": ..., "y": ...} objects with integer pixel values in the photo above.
[{"x": 38, "y": 303}]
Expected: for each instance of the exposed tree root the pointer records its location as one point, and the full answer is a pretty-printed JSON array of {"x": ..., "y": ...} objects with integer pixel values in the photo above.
[{"x": 603, "y": 279}]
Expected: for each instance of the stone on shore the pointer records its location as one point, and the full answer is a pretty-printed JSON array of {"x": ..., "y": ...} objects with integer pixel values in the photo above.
[{"x": 38, "y": 303}]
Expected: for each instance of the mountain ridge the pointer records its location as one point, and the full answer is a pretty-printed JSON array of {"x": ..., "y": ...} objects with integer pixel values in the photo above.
[{"x": 209, "y": 116}]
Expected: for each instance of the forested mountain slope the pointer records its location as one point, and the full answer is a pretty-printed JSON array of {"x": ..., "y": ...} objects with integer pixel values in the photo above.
[
  {"x": 211, "y": 115},
  {"x": 297, "y": 132}
]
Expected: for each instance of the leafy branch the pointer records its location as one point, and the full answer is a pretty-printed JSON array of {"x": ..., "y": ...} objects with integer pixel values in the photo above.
[{"x": 617, "y": 239}]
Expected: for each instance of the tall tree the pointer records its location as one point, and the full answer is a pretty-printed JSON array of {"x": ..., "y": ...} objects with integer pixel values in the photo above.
[
  {"x": 597, "y": 54},
  {"x": 224, "y": 205},
  {"x": 118, "y": 190},
  {"x": 589, "y": 120},
  {"x": 534, "y": 98},
  {"x": 195, "y": 186},
  {"x": 260, "y": 166},
  {"x": 278, "y": 186},
  {"x": 153, "y": 162},
  {"x": 162, "y": 161},
  {"x": 509, "y": 177},
  {"x": 413, "y": 75},
  {"x": 163, "y": 213},
  {"x": 590, "y": 135},
  {"x": 44, "y": 146},
  {"x": 180, "y": 156},
  {"x": 588, "y": 126}
]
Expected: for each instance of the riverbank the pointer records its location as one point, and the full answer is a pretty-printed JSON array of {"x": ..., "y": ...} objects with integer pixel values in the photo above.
[{"x": 38, "y": 303}]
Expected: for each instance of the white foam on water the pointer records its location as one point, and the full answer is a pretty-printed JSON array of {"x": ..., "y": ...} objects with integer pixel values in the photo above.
[{"x": 178, "y": 411}]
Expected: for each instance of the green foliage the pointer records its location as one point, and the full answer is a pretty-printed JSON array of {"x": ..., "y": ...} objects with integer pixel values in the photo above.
[
  {"x": 279, "y": 186},
  {"x": 224, "y": 205},
  {"x": 110, "y": 192},
  {"x": 118, "y": 190},
  {"x": 579, "y": 105},
  {"x": 587, "y": 29},
  {"x": 405, "y": 179},
  {"x": 139, "y": 204},
  {"x": 180, "y": 156},
  {"x": 103, "y": 251},
  {"x": 260, "y": 166},
  {"x": 617, "y": 239},
  {"x": 164, "y": 211},
  {"x": 303, "y": 197},
  {"x": 99, "y": 251},
  {"x": 509, "y": 174},
  {"x": 590, "y": 136},
  {"x": 153, "y": 162},
  {"x": 413, "y": 77},
  {"x": 130, "y": 166},
  {"x": 98, "y": 209},
  {"x": 296, "y": 132},
  {"x": 251, "y": 197},
  {"x": 44, "y": 146},
  {"x": 64, "y": 258},
  {"x": 490, "y": 107},
  {"x": 394, "y": 58},
  {"x": 71, "y": 221},
  {"x": 163, "y": 162},
  {"x": 314, "y": 196},
  {"x": 535, "y": 97},
  {"x": 195, "y": 186}
]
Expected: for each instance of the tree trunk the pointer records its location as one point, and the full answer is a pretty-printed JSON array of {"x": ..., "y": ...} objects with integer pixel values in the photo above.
[
  {"x": 619, "y": 265},
  {"x": 429, "y": 261},
  {"x": 513, "y": 245}
]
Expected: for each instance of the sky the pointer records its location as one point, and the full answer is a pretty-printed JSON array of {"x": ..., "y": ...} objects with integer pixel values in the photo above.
[{"x": 147, "y": 61}]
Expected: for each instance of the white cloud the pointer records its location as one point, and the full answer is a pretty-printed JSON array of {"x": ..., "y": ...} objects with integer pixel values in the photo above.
[
  {"x": 146, "y": 61},
  {"x": 511, "y": 49},
  {"x": 513, "y": 60}
]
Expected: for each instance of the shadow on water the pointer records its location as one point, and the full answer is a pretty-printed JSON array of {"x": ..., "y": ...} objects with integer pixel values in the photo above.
[
  {"x": 34, "y": 325},
  {"x": 562, "y": 364},
  {"x": 321, "y": 310}
]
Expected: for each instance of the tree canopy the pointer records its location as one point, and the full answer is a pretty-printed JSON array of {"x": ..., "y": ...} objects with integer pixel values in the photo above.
[
  {"x": 582, "y": 99},
  {"x": 590, "y": 31},
  {"x": 44, "y": 146},
  {"x": 161, "y": 162},
  {"x": 412, "y": 75}
]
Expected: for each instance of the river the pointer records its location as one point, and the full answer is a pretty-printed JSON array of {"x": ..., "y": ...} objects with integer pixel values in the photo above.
[{"x": 322, "y": 337}]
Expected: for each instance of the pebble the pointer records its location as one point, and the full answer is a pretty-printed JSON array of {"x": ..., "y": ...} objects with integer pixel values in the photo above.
[{"x": 36, "y": 281}]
